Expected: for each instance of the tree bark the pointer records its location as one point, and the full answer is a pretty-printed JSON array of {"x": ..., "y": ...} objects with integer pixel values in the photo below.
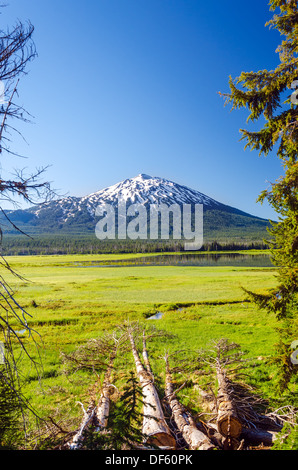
[
  {"x": 103, "y": 408},
  {"x": 146, "y": 356},
  {"x": 155, "y": 428},
  {"x": 252, "y": 436},
  {"x": 256, "y": 437},
  {"x": 88, "y": 418},
  {"x": 195, "y": 439},
  {"x": 228, "y": 423}
]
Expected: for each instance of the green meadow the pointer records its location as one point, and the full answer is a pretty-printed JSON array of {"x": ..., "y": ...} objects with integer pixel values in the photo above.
[{"x": 70, "y": 299}]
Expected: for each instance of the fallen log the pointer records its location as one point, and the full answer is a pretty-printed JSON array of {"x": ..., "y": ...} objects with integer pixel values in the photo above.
[
  {"x": 155, "y": 428},
  {"x": 253, "y": 436},
  {"x": 103, "y": 407},
  {"x": 92, "y": 357},
  {"x": 88, "y": 418},
  {"x": 146, "y": 356},
  {"x": 195, "y": 439},
  {"x": 257, "y": 437},
  {"x": 228, "y": 422}
]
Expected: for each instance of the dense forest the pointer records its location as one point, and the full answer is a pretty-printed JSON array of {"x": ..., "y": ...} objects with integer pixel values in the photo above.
[{"x": 47, "y": 245}]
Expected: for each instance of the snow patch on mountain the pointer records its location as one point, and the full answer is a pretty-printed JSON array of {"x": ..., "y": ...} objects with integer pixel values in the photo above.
[{"x": 146, "y": 189}]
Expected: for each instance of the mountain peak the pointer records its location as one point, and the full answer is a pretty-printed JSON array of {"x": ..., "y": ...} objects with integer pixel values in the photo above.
[
  {"x": 143, "y": 176},
  {"x": 146, "y": 189}
]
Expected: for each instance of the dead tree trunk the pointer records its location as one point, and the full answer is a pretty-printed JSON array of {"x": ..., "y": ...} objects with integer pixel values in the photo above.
[
  {"x": 155, "y": 428},
  {"x": 94, "y": 356},
  {"x": 103, "y": 408},
  {"x": 228, "y": 423},
  {"x": 97, "y": 415},
  {"x": 257, "y": 437},
  {"x": 195, "y": 439},
  {"x": 146, "y": 356},
  {"x": 88, "y": 418}
]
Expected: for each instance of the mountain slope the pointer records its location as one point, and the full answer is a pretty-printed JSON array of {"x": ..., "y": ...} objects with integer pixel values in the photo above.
[{"x": 74, "y": 215}]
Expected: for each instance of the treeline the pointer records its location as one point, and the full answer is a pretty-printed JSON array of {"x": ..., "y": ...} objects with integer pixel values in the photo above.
[{"x": 58, "y": 245}]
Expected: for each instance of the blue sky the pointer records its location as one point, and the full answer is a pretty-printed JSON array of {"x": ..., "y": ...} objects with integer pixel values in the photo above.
[{"x": 122, "y": 87}]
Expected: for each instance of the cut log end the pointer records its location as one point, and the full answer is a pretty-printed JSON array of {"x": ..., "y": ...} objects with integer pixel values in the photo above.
[
  {"x": 162, "y": 439},
  {"x": 229, "y": 426}
]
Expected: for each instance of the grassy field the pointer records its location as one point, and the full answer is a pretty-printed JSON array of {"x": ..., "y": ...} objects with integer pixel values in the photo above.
[{"x": 70, "y": 302}]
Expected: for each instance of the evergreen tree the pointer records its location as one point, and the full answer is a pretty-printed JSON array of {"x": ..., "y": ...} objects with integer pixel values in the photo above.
[
  {"x": 273, "y": 96},
  {"x": 9, "y": 414}
]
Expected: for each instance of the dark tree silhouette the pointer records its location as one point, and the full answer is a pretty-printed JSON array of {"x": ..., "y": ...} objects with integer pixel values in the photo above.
[
  {"x": 17, "y": 49},
  {"x": 272, "y": 96}
]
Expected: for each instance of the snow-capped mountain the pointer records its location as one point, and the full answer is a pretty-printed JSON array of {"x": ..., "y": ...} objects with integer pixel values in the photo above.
[
  {"x": 79, "y": 213},
  {"x": 144, "y": 189}
]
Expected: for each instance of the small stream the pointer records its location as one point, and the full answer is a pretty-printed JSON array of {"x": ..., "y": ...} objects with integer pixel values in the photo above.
[{"x": 157, "y": 316}]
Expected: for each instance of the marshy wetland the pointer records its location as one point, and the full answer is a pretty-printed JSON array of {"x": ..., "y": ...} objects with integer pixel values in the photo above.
[{"x": 197, "y": 299}]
